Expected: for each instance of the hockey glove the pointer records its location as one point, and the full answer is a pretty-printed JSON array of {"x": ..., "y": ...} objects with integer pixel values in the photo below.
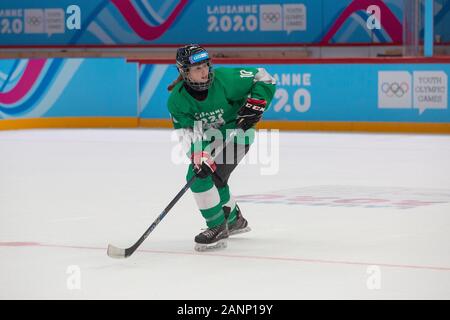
[
  {"x": 250, "y": 113},
  {"x": 203, "y": 164}
]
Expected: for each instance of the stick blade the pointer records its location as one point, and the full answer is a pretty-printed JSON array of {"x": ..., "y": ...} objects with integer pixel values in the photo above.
[{"x": 116, "y": 253}]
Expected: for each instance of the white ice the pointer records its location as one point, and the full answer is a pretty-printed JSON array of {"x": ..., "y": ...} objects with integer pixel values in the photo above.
[{"x": 346, "y": 216}]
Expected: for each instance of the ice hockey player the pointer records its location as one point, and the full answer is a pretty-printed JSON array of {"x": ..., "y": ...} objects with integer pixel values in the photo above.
[{"x": 205, "y": 104}]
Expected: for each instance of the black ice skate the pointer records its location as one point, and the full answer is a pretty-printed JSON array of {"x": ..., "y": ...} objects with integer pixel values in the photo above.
[
  {"x": 240, "y": 225},
  {"x": 212, "y": 238}
]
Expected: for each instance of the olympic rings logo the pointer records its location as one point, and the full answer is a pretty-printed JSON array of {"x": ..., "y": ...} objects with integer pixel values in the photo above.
[
  {"x": 33, "y": 20},
  {"x": 395, "y": 89},
  {"x": 271, "y": 17}
]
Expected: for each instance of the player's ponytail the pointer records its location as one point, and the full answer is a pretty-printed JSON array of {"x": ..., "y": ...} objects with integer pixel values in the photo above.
[{"x": 173, "y": 84}]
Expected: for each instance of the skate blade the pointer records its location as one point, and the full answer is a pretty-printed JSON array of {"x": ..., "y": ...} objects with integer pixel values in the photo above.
[
  {"x": 234, "y": 232},
  {"x": 201, "y": 247}
]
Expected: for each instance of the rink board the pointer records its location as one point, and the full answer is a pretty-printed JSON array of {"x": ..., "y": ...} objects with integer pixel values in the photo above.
[
  {"x": 67, "y": 88},
  {"x": 395, "y": 97}
]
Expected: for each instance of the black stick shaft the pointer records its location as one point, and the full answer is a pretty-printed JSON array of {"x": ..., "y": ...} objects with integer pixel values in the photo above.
[{"x": 133, "y": 248}]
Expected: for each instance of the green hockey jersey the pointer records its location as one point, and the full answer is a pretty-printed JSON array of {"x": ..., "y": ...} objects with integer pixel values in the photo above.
[{"x": 227, "y": 94}]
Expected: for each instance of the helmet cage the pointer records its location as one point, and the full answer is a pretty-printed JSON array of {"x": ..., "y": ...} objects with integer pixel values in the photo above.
[{"x": 190, "y": 56}]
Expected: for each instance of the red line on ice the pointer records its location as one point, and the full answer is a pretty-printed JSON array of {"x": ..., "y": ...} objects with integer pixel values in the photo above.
[{"x": 215, "y": 254}]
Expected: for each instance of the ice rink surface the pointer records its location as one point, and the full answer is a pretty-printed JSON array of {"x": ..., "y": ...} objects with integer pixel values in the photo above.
[{"x": 333, "y": 216}]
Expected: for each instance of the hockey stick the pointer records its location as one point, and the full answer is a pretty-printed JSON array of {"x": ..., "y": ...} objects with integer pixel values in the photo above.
[
  {"x": 119, "y": 253},
  {"x": 115, "y": 252}
]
